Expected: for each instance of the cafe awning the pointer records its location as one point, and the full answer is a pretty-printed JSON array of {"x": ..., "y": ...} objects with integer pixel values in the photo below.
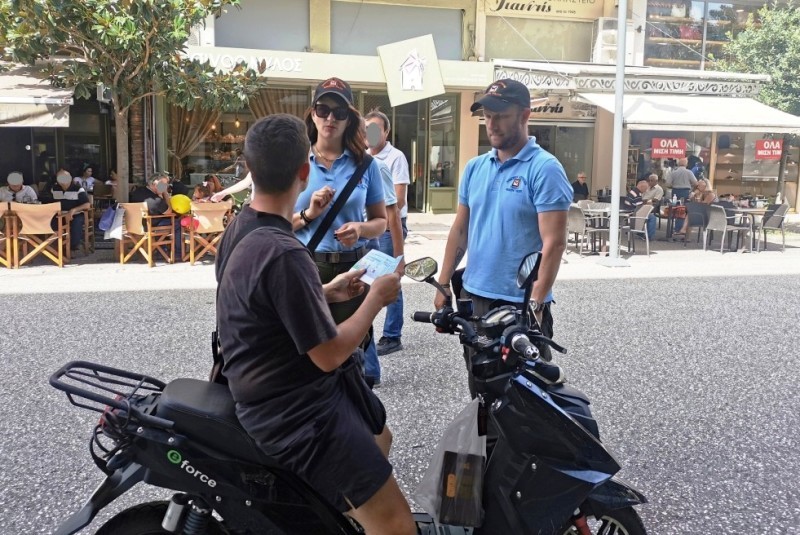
[
  {"x": 27, "y": 100},
  {"x": 705, "y": 113}
]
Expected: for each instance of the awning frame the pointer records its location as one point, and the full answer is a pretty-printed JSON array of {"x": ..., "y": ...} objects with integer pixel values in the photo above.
[{"x": 704, "y": 113}]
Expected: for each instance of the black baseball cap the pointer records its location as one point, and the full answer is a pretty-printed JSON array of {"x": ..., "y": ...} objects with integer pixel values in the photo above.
[
  {"x": 335, "y": 86},
  {"x": 501, "y": 94}
]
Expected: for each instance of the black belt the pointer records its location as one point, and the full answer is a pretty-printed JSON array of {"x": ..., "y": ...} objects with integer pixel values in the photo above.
[{"x": 340, "y": 257}]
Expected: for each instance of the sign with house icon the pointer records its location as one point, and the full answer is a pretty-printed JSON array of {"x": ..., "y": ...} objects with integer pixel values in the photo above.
[
  {"x": 411, "y": 72},
  {"x": 411, "y": 69}
]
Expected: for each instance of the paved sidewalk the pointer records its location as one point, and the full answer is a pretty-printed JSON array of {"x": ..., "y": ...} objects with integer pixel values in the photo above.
[{"x": 100, "y": 272}]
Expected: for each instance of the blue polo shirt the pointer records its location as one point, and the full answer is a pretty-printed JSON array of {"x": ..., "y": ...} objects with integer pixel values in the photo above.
[
  {"x": 369, "y": 191},
  {"x": 504, "y": 201}
]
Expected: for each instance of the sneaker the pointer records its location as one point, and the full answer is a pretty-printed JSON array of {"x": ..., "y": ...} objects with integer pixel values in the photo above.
[
  {"x": 386, "y": 345},
  {"x": 372, "y": 382}
]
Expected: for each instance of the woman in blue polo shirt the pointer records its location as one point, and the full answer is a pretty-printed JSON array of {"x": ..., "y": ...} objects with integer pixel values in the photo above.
[{"x": 337, "y": 148}]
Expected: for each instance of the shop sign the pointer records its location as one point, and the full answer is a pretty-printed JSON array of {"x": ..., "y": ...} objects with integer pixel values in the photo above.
[
  {"x": 668, "y": 147},
  {"x": 411, "y": 69},
  {"x": 262, "y": 64},
  {"x": 561, "y": 108},
  {"x": 769, "y": 149},
  {"x": 546, "y": 9}
]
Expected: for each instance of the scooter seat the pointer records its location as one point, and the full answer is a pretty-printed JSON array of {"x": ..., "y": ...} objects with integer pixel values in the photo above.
[{"x": 206, "y": 413}]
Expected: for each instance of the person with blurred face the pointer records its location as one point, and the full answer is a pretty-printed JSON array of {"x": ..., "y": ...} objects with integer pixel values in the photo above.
[
  {"x": 75, "y": 202},
  {"x": 378, "y": 128},
  {"x": 16, "y": 190},
  {"x": 157, "y": 198}
]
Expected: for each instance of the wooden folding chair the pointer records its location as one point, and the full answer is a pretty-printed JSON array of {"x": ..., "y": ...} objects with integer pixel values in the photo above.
[
  {"x": 141, "y": 233},
  {"x": 34, "y": 230},
  {"x": 210, "y": 221},
  {"x": 88, "y": 230},
  {"x": 7, "y": 231}
]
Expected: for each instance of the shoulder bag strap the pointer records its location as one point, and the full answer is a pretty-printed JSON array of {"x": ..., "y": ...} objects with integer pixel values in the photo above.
[{"x": 323, "y": 227}]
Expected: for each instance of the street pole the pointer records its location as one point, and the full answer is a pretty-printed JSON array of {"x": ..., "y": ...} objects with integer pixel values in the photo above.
[{"x": 613, "y": 259}]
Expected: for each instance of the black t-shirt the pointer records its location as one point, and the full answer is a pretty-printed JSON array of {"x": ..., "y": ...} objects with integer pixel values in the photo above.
[
  {"x": 156, "y": 205},
  {"x": 270, "y": 310},
  {"x": 70, "y": 198},
  {"x": 179, "y": 188}
]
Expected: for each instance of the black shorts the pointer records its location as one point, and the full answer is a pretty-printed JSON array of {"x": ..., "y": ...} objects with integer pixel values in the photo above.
[{"x": 321, "y": 435}]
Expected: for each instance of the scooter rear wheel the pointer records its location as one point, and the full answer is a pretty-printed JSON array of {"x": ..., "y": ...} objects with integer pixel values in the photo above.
[
  {"x": 624, "y": 521},
  {"x": 144, "y": 519}
]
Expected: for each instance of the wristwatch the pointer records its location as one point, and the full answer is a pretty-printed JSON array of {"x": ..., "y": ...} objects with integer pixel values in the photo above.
[{"x": 536, "y": 306}]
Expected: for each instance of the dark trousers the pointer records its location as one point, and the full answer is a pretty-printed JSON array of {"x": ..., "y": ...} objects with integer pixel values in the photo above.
[
  {"x": 75, "y": 230},
  {"x": 482, "y": 305},
  {"x": 177, "y": 235}
]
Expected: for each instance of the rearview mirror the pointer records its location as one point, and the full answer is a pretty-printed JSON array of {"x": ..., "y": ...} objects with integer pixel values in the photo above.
[
  {"x": 528, "y": 270},
  {"x": 422, "y": 269}
]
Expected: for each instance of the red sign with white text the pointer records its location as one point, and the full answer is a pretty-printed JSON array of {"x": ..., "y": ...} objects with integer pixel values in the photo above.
[
  {"x": 769, "y": 149},
  {"x": 668, "y": 147}
]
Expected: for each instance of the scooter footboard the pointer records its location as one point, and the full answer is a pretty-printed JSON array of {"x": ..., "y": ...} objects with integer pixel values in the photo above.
[{"x": 611, "y": 495}]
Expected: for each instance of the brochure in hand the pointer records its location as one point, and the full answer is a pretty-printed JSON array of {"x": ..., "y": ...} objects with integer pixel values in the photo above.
[{"x": 377, "y": 264}]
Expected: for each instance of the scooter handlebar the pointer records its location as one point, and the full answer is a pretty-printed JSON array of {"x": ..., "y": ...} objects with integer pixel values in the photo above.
[
  {"x": 424, "y": 317},
  {"x": 523, "y": 346}
]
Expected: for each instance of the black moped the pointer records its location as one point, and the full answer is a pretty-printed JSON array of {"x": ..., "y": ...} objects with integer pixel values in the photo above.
[{"x": 547, "y": 472}]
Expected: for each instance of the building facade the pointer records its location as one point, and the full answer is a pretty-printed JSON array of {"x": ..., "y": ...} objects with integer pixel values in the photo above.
[
  {"x": 564, "y": 50},
  {"x": 560, "y": 48}
]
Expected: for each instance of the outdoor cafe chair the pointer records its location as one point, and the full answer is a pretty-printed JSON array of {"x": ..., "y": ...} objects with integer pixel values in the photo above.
[
  {"x": 140, "y": 232},
  {"x": 576, "y": 224},
  {"x": 719, "y": 221},
  {"x": 6, "y": 232},
  {"x": 88, "y": 230},
  {"x": 34, "y": 231},
  {"x": 773, "y": 219},
  {"x": 208, "y": 220},
  {"x": 696, "y": 217},
  {"x": 102, "y": 198},
  {"x": 637, "y": 224}
]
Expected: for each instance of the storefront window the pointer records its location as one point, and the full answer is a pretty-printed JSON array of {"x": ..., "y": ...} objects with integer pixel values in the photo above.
[
  {"x": 691, "y": 34},
  {"x": 217, "y": 152},
  {"x": 571, "y": 144},
  {"x": 742, "y": 169},
  {"x": 211, "y": 142},
  {"x": 735, "y": 163},
  {"x": 444, "y": 136}
]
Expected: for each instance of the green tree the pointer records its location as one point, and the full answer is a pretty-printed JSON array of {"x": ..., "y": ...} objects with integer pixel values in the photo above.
[
  {"x": 132, "y": 47},
  {"x": 769, "y": 44}
]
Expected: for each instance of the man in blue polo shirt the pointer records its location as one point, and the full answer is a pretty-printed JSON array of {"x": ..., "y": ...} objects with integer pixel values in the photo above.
[{"x": 512, "y": 201}]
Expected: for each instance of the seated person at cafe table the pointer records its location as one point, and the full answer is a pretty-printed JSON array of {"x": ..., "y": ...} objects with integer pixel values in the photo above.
[
  {"x": 634, "y": 200},
  {"x": 16, "y": 191},
  {"x": 74, "y": 201},
  {"x": 703, "y": 193},
  {"x": 655, "y": 192},
  {"x": 157, "y": 198},
  {"x": 580, "y": 188}
]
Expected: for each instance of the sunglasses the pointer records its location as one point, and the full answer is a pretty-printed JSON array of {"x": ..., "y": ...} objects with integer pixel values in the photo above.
[{"x": 323, "y": 110}]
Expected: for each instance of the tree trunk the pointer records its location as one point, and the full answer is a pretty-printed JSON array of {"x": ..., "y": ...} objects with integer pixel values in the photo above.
[{"x": 123, "y": 163}]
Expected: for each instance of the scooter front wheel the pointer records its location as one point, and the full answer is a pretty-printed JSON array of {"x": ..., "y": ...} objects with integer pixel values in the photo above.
[
  {"x": 144, "y": 519},
  {"x": 623, "y": 521}
]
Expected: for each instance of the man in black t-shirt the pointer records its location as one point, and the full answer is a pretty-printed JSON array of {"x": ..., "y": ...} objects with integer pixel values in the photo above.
[
  {"x": 75, "y": 202},
  {"x": 284, "y": 354}
]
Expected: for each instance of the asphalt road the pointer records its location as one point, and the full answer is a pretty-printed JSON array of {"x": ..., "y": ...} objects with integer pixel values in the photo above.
[{"x": 694, "y": 383}]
